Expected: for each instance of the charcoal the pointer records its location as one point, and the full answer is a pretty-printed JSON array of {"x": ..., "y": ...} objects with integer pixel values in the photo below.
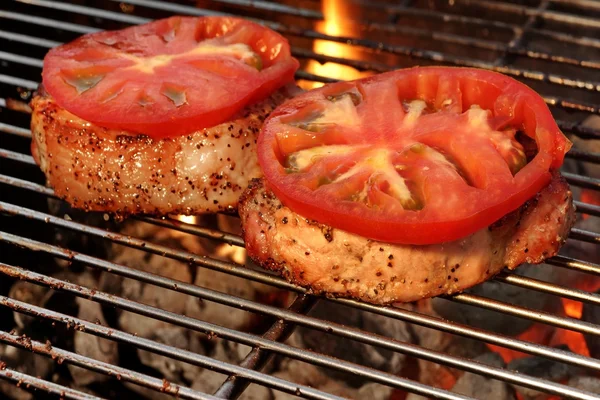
[
  {"x": 149, "y": 294},
  {"x": 223, "y": 350},
  {"x": 165, "y": 299},
  {"x": 496, "y": 321},
  {"x": 209, "y": 382},
  {"x": 75, "y": 241},
  {"x": 92, "y": 346},
  {"x": 25, "y": 362},
  {"x": 219, "y": 314},
  {"x": 307, "y": 374},
  {"x": 591, "y": 313},
  {"x": 542, "y": 368},
  {"x": 374, "y": 391},
  {"x": 173, "y": 370},
  {"x": 413, "y": 396},
  {"x": 11, "y": 391},
  {"x": 586, "y": 383},
  {"x": 481, "y": 387},
  {"x": 351, "y": 350},
  {"x": 435, "y": 374},
  {"x": 29, "y": 293},
  {"x": 146, "y": 393},
  {"x": 438, "y": 340}
]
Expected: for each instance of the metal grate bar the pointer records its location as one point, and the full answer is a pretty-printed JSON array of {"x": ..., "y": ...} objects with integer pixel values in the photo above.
[
  {"x": 583, "y": 156},
  {"x": 577, "y": 265},
  {"x": 589, "y": 4},
  {"x": 378, "y": 46},
  {"x": 11, "y": 80},
  {"x": 257, "y": 358},
  {"x": 48, "y": 23},
  {"x": 586, "y": 236},
  {"x": 195, "y": 230},
  {"x": 89, "y": 11},
  {"x": 20, "y": 183},
  {"x": 280, "y": 348},
  {"x": 29, "y": 382},
  {"x": 584, "y": 41},
  {"x": 271, "y": 6},
  {"x": 535, "y": 315},
  {"x": 18, "y": 37},
  {"x": 486, "y": 23},
  {"x": 29, "y": 61},
  {"x": 13, "y": 155},
  {"x": 439, "y": 36},
  {"x": 165, "y": 350},
  {"x": 286, "y": 315},
  {"x": 521, "y": 33},
  {"x": 586, "y": 208},
  {"x": 481, "y": 44},
  {"x": 402, "y": 50},
  {"x": 582, "y": 181},
  {"x": 523, "y": 10},
  {"x": 15, "y": 130},
  {"x": 545, "y": 287},
  {"x": 160, "y": 385}
]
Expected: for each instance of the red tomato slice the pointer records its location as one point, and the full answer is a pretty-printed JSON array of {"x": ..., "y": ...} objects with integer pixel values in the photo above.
[
  {"x": 415, "y": 156},
  {"x": 169, "y": 77}
]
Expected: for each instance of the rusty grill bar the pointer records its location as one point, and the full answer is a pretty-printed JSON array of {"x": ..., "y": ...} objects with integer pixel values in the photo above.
[{"x": 571, "y": 97}]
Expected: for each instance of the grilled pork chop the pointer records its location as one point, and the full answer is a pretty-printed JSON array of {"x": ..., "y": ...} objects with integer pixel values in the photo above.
[
  {"x": 100, "y": 169},
  {"x": 335, "y": 262}
]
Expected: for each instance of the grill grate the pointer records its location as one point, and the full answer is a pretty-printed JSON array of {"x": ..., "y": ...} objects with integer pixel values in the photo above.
[{"x": 29, "y": 27}]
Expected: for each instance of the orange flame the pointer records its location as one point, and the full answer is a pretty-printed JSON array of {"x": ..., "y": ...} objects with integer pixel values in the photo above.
[
  {"x": 573, "y": 308},
  {"x": 537, "y": 333},
  {"x": 550, "y": 336},
  {"x": 335, "y": 14},
  {"x": 590, "y": 197}
]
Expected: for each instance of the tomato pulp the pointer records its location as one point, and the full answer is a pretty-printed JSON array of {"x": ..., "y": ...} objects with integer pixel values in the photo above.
[
  {"x": 416, "y": 156},
  {"x": 168, "y": 77}
]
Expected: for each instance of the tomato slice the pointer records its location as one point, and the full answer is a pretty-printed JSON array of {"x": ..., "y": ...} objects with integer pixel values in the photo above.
[
  {"x": 416, "y": 156},
  {"x": 168, "y": 77}
]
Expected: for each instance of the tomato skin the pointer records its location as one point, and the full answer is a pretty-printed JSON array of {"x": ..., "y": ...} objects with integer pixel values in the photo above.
[
  {"x": 151, "y": 79},
  {"x": 455, "y": 205}
]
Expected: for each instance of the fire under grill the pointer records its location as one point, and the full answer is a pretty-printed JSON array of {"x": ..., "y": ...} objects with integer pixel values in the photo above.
[{"x": 151, "y": 308}]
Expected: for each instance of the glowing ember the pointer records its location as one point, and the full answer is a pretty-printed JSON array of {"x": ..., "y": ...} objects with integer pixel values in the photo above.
[
  {"x": 188, "y": 219},
  {"x": 573, "y": 308},
  {"x": 335, "y": 13},
  {"x": 590, "y": 197},
  {"x": 537, "y": 333},
  {"x": 574, "y": 340},
  {"x": 234, "y": 253}
]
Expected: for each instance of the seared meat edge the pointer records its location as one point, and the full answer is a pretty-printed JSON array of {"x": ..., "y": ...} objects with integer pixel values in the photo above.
[
  {"x": 99, "y": 169},
  {"x": 334, "y": 262}
]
